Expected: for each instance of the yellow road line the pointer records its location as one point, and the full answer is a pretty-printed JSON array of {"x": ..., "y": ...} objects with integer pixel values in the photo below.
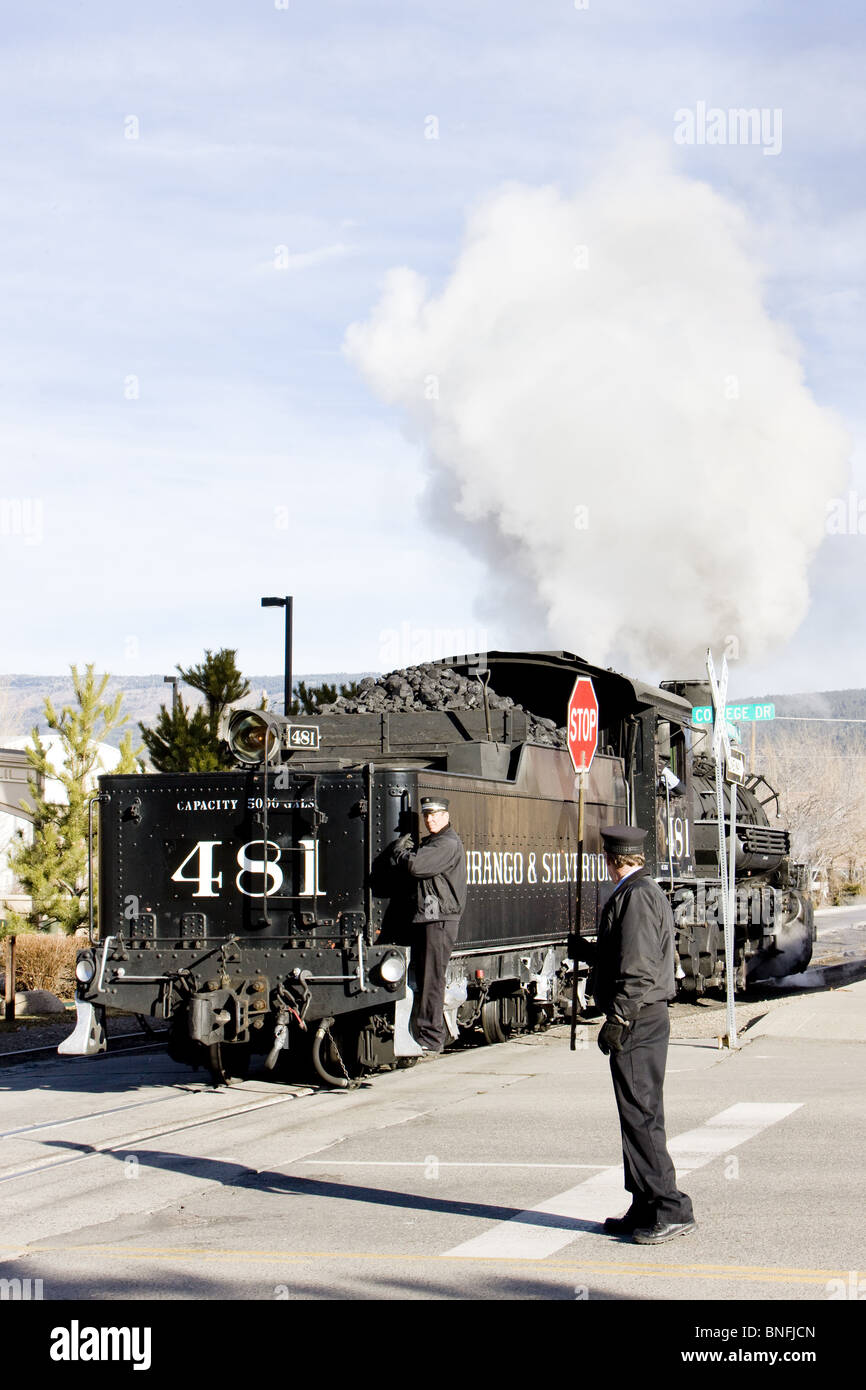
[{"x": 749, "y": 1273}]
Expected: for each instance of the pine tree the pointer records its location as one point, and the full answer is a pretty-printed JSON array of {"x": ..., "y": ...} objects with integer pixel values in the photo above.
[
  {"x": 189, "y": 742},
  {"x": 52, "y": 869},
  {"x": 183, "y": 742},
  {"x": 219, "y": 680},
  {"x": 311, "y": 698}
]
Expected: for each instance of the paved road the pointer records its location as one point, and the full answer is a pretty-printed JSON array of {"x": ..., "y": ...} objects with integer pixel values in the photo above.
[
  {"x": 841, "y": 933},
  {"x": 484, "y": 1174}
]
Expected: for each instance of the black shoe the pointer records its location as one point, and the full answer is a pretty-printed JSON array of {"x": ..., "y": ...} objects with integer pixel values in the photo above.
[
  {"x": 628, "y": 1224},
  {"x": 663, "y": 1230}
]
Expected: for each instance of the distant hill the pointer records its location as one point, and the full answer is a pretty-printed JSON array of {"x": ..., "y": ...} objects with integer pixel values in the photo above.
[
  {"x": 819, "y": 713},
  {"x": 22, "y": 698},
  {"x": 827, "y": 704},
  {"x": 22, "y": 704}
]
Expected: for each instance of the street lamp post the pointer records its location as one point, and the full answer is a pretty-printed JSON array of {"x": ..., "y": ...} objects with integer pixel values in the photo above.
[
  {"x": 287, "y": 604},
  {"x": 174, "y": 683}
]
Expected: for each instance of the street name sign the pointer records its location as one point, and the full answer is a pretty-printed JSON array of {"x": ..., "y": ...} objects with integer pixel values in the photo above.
[{"x": 737, "y": 714}]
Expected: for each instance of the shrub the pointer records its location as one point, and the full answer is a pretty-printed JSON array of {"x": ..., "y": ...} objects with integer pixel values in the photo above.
[
  {"x": 46, "y": 962},
  {"x": 843, "y": 890}
]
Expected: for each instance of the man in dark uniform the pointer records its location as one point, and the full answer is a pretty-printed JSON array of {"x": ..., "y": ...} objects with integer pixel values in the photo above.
[
  {"x": 633, "y": 979},
  {"x": 439, "y": 866}
]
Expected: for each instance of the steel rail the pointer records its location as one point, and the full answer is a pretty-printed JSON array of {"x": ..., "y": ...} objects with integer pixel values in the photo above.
[{"x": 35, "y": 1053}]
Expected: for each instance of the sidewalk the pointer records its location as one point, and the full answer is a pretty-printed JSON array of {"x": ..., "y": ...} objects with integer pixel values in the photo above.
[{"x": 839, "y": 1015}]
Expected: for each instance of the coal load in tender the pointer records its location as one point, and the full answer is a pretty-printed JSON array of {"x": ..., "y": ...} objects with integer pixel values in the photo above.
[{"x": 436, "y": 688}]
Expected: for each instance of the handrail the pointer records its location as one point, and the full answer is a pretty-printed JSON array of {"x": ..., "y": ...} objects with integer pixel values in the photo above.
[{"x": 100, "y": 796}]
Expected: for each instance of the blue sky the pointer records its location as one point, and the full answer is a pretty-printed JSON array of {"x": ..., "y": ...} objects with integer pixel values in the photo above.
[{"x": 199, "y": 199}]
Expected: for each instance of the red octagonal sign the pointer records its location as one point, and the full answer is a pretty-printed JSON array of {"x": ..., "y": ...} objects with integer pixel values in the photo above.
[{"x": 582, "y": 724}]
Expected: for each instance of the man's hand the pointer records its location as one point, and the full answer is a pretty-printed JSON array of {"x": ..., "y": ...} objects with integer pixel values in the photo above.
[
  {"x": 611, "y": 1034},
  {"x": 404, "y": 843}
]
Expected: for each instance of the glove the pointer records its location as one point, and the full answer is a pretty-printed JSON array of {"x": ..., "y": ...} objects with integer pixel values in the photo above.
[
  {"x": 611, "y": 1034},
  {"x": 403, "y": 844},
  {"x": 579, "y": 948}
]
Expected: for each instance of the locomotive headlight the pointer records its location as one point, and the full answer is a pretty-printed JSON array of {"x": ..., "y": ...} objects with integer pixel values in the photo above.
[
  {"x": 251, "y": 732},
  {"x": 85, "y": 969},
  {"x": 392, "y": 968}
]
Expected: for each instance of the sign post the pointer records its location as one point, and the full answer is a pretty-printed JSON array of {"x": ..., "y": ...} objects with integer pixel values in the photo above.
[
  {"x": 729, "y": 764},
  {"x": 9, "y": 992},
  {"x": 582, "y": 726}
]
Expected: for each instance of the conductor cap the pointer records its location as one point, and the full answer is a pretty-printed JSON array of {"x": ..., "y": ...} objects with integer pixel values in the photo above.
[
  {"x": 623, "y": 839},
  {"x": 433, "y": 803}
]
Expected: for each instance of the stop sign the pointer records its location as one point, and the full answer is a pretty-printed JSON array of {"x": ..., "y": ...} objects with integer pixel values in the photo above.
[{"x": 582, "y": 724}]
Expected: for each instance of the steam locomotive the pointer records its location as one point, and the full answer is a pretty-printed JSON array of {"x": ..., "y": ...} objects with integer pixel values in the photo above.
[{"x": 259, "y": 912}]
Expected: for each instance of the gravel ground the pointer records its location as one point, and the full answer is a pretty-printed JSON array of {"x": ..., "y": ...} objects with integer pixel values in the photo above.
[
  {"x": 708, "y": 1020},
  {"x": 687, "y": 1021},
  {"x": 40, "y": 1032}
]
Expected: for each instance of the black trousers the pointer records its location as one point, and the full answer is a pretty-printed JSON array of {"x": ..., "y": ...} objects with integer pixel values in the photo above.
[
  {"x": 432, "y": 944},
  {"x": 638, "y": 1078}
]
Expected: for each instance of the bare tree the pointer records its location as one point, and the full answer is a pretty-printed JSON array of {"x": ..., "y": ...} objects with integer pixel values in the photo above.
[{"x": 821, "y": 780}]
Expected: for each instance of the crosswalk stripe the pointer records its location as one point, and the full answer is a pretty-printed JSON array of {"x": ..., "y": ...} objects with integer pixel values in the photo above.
[
  {"x": 724, "y": 1132},
  {"x": 542, "y": 1230}
]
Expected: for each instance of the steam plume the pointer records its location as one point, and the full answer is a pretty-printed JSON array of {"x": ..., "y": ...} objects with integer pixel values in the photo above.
[{"x": 612, "y": 418}]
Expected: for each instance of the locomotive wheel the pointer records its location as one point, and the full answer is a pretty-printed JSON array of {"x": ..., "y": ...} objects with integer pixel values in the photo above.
[
  {"x": 225, "y": 1060},
  {"x": 180, "y": 1049},
  {"x": 540, "y": 1017},
  {"x": 218, "y": 1074},
  {"x": 494, "y": 1030}
]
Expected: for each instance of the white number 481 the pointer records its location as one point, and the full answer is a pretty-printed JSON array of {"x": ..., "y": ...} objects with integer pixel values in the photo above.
[{"x": 265, "y": 866}]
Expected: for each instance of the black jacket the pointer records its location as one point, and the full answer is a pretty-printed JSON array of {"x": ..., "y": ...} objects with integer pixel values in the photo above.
[
  {"x": 439, "y": 865},
  {"x": 634, "y": 955}
]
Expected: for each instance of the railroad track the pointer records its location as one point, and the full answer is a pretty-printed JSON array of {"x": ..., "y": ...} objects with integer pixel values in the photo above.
[
  {"x": 167, "y": 1112},
  {"x": 43, "y": 1054},
  {"x": 127, "y": 1142}
]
